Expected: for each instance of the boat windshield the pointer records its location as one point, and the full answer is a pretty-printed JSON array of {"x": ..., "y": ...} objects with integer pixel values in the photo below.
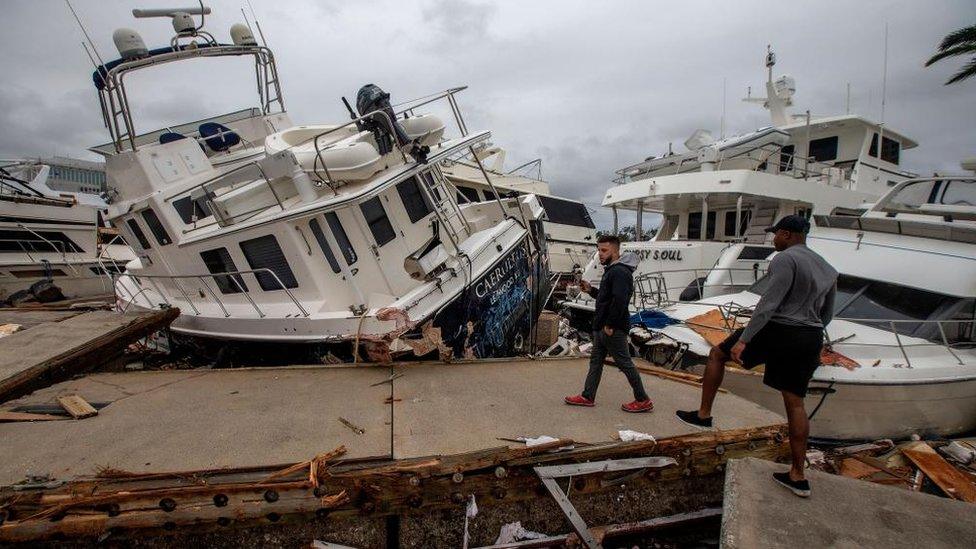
[
  {"x": 876, "y": 303},
  {"x": 933, "y": 192}
]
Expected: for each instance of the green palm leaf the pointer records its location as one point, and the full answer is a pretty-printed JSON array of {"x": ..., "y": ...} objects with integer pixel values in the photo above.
[
  {"x": 957, "y": 43},
  {"x": 966, "y": 72}
]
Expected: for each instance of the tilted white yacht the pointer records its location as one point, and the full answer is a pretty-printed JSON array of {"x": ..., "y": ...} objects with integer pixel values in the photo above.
[
  {"x": 570, "y": 231},
  {"x": 53, "y": 235},
  {"x": 905, "y": 323},
  {"x": 716, "y": 198},
  {"x": 346, "y": 235}
]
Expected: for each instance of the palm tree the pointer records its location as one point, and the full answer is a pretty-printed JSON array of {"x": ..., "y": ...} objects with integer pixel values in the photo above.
[{"x": 960, "y": 42}]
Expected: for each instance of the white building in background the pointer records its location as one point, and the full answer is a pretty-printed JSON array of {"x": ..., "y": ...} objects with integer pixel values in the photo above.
[{"x": 74, "y": 175}]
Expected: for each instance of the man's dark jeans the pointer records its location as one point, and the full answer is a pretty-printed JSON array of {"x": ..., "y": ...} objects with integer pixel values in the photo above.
[{"x": 616, "y": 346}]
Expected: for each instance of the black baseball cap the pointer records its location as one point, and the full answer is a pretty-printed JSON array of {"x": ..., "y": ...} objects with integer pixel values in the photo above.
[{"x": 792, "y": 223}]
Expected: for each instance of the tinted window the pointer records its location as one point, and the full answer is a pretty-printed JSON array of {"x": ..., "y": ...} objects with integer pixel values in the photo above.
[
  {"x": 755, "y": 252},
  {"x": 36, "y": 241},
  {"x": 265, "y": 253},
  {"x": 883, "y": 301},
  {"x": 566, "y": 212},
  {"x": 378, "y": 223},
  {"x": 191, "y": 210},
  {"x": 489, "y": 195},
  {"x": 149, "y": 216},
  {"x": 219, "y": 261},
  {"x": 324, "y": 244},
  {"x": 413, "y": 199},
  {"x": 890, "y": 149},
  {"x": 340, "y": 235},
  {"x": 786, "y": 158},
  {"x": 823, "y": 149},
  {"x": 694, "y": 226},
  {"x": 137, "y": 231},
  {"x": 469, "y": 193},
  {"x": 730, "y": 222}
]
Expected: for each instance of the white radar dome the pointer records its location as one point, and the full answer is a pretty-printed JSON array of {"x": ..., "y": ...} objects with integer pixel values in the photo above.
[
  {"x": 183, "y": 23},
  {"x": 240, "y": 35},
  {"x": 129, "y": 44}
]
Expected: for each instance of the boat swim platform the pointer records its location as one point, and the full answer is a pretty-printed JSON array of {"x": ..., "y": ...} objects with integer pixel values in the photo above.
[
  {"x": 56, "y": 344},
  {"x": 429, "y": 437},
  {"x": 840, "y": 512}
]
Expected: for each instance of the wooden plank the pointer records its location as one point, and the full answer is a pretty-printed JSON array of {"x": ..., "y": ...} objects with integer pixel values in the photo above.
[
  {"x": 943, "y": 474},
  {"x": 23, "y": 416},
  {"x": 48, "y": 353},
  {"x": 77, "y": 406}
]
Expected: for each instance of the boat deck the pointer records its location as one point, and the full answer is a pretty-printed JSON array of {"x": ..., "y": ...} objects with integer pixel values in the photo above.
[{"x": 163, "y": 421}]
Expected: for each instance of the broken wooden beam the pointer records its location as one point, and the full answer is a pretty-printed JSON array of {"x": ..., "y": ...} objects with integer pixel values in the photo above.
[
  {"x": 6, "y": 416},
  {"x": 77, "y": 406},
  {"x": 955, "y": 484},
  {"x": 48, "y": 353}
]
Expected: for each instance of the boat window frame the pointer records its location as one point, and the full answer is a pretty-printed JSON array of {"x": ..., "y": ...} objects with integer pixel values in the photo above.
[
  {"x": 282, "y": 269},
  {"x": 137, "y": 231},
  {"x": 221, "y": 280},
  {"x": 156, "y": 227},
  {"x": 413, "y": 197},
  {"x": 829, "y": 144},
  {"x": 316, "y": 228},
  {"x": 379, "y": 226}
]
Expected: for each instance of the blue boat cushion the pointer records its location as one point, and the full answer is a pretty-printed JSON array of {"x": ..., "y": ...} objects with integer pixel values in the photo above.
[
  {"x": 218, "y": 136},
  {"x": 652, "y": 319},
  {"x": 169, "y": 137}
]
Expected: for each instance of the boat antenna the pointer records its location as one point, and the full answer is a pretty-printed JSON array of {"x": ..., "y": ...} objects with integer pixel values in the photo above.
[
  {"x": 247, "y": 21},
  {"x": 884, "y": 89},
  {"x": 848, "y": 98},
  {"x": 722, "y": 133},
  {"x": 85, "y": 32},
  {"x": 257, "y": 23}
]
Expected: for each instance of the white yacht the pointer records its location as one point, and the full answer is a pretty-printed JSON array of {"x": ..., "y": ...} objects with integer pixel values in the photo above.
[
  {"x": 716, "y": 198},
  {"x": 54, "y": 235},
  {"x": 570, "y": 231},
  {"x": 905, "y": 324},
  {"x": 346, "y": 235}
]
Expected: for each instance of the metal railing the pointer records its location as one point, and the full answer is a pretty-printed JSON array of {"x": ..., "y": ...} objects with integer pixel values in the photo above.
[
  {"x": 651, "y": 289},
  {"x": 233, "y": 276}
]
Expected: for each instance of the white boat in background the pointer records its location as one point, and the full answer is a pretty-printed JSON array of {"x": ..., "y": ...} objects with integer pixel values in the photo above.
[
  {"x": 345, "y": 235},
  {"x": 54, "y": 235},
  {"x": 905, "y": 314},
  {"x": 716, "y": 198},
  {"x": 570, "y": 231}
]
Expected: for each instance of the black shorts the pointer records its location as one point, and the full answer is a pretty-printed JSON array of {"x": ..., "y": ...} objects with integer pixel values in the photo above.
[{"x": 790, "y": 353}]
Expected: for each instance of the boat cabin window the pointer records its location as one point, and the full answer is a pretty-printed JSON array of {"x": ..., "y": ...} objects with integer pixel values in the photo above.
[
  {"x": 191, "y": 211},
  {"x": 786, "y": 158},
  {"x": 566, "y": 212},
  {"x": 219, "y": 261},
  {"x": 823, "y": 149},
  {"x": 324, "y": 245},
  {"x": 730, "y": 222},
  {"x": 694, "y": 226},
  {"x": 890, "y": 149},
  {"x": 470, "y": 194},
  {"x": 36, "y": 241},
  {"x": 158, "y": 231},
  {"x": 37, "y": 273},
  {"x": 341, "y": 238},
  {"x": 379, "y": 223},
  {"x": 265, "y": 253},
  {"x": 489, "y": 195},
  {"x": 945, "y": 192},
  {"x": 413, "y": 199},
  {"x": 137, "y": 232},
  {"x": 108, "y": 269},
  {"x": 755, "y": 253}
]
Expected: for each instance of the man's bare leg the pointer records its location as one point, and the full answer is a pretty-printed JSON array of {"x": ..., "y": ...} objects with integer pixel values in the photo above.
[
  {"x": 712, "y": 380},
  {"x": 799, "y": 427}
]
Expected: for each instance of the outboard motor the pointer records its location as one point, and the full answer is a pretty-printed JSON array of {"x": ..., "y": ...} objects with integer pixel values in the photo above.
[{"x": 372, "y": 98}]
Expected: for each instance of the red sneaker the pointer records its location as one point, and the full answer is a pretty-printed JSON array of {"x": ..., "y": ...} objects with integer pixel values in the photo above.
[
  {"x": 638, "y": 406},
  {"x": 579, "y": 400}
]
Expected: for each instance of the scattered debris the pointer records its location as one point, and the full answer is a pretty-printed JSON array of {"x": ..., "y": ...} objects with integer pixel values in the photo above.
[
  {"x": 356, "y": 429},
  {"x": 7, "y": 416},
  {"x": 514, "y": 531},
  {"x": 952, "y": 481},
  {"x": 388, "y": 380},
  {"x": 7, "y": 329},
  {"x": 627, "y": 435},
  {"x": 77, "y": 406}
]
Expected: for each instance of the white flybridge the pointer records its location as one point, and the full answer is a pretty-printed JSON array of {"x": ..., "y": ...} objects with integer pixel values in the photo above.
[
  {"x": 905, "y": 318},
  {"x": 716, "y": 198},
  {"x": 570, "y": 232},
  {"x": 54, "y": 236},
  {"x": 346, "y": 235}
]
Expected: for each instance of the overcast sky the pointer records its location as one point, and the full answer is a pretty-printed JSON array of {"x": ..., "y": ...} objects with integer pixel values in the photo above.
[{"x": 587, "y": 86}]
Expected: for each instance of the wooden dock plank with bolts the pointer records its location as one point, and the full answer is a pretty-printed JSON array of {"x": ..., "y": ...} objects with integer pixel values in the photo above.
[
  {"x": 236, "y": 447},
  {"x": 53, "y": 351}
]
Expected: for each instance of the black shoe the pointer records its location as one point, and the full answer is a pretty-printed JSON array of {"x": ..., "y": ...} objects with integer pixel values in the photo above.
[
  {"x": 798, "y": 487},
  {"x": 691, "y": 418}
]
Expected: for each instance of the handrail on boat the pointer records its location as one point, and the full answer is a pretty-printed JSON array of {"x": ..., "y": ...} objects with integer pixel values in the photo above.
[{"x": 230, "y": 275}]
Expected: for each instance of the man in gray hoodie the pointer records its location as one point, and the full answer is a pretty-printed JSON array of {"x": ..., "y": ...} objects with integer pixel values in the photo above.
[{"x": 611, "y": 325}]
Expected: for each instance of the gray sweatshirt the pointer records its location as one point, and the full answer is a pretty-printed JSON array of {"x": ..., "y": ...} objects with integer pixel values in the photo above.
[{"x": 798, "y": 290}]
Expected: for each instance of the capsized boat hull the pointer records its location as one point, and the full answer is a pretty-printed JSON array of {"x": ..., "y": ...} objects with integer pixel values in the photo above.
[{"x": 866, "y": 411}]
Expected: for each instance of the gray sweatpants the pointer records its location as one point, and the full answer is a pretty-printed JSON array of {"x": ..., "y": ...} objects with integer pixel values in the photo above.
[{"x": 616, "y": 346}]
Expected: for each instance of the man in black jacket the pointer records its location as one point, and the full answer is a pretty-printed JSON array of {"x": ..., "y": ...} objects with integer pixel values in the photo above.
[{"x": 611, "y": 325}]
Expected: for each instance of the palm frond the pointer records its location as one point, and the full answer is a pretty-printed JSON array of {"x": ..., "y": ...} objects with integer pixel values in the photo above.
[
  {"x": 963, "y": 49},
  {"x": 967, "y": 71},
  {"x": 961, "y": 36}
]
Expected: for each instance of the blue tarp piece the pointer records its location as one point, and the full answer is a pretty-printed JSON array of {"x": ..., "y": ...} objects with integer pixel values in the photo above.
[{"x": 652, "y": 319}]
